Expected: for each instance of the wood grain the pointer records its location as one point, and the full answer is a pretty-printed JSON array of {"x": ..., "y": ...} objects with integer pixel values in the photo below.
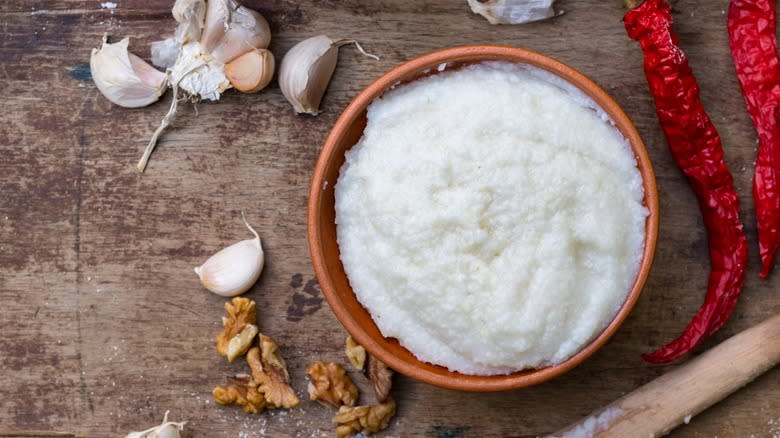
[
  {"x": 675, "y": 397},
  {"x": 105, "y": 327}
]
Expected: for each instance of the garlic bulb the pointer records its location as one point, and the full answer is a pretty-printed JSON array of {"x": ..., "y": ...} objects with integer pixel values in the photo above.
[
  {"x": 233, "y": 270},
  {"x": 513, "y": 11},
  {"x": 124, "y": 78},
  {"x": 306, "y": 70},
  {"x": 168, "y": 429}
]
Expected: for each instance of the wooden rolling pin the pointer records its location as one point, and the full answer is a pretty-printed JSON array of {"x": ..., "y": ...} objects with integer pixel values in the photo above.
[{"x": 663, "y": 404}]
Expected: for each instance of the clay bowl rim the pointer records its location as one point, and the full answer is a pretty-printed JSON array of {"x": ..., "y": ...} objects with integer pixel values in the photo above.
[{"x": 321, "y": 182}]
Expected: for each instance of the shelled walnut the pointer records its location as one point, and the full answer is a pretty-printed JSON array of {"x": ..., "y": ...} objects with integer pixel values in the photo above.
[
  {"x": 270, "y": 372},
  {"x": 330, "y": 385},
  {"x": 380, "y": 375},
  {"x": 365, "y": 419},
  {"x": 241, "y": 391},
  {"x": 241, "y": 342},
  {"x": 355, "y": 353},
  {"x": 241, "y": 312}
]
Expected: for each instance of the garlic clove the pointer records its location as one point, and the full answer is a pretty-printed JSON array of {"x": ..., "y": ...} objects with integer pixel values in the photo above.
[
  {"x": 246, "y": 30},
  {"x": 306, "y": 71},
  {"x": 124, "y": 78},
  {"x": 252, "y": 71},
  {"x": 513, "y": 11},
  {"x": 168, "y": 429},
  {"x": 191, "y": 15},
  {"x": 165, "y": 52},
  {"x": 217, "y": 16},
  {"x": 233, "y": 270}
]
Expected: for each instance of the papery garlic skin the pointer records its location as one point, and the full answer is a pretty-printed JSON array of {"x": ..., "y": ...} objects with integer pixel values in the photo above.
[
  {"x": 124, "y": 78},
  {"x": 198, "y": 73},
  {"x": 233, "y": 270},
  {"x": 305, "y": 72},
  {"x": 190, "y": 14},
  {"x": 513, "y": 11}
]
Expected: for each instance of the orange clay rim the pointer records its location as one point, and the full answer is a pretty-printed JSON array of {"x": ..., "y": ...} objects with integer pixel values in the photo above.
[{"x": 432, "y": 374}]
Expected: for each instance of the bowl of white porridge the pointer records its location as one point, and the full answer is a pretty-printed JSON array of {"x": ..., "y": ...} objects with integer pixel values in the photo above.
[{"x": 482, "y": 218}]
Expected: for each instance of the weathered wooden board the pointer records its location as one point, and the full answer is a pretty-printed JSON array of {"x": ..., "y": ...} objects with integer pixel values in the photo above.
[{"x": 103, "y": 325}]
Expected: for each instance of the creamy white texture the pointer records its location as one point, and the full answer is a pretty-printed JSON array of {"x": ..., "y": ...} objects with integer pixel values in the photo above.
[{"x": 490, "y": 220}]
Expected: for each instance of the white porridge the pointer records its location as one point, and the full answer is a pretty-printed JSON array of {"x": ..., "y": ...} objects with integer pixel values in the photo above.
[{"x": 490, "y": 218}]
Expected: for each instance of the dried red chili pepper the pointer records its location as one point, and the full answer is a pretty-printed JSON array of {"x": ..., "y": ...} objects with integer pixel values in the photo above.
[
  {"x": 754, "y": 49},
  {"x": 696, "y": 147}
]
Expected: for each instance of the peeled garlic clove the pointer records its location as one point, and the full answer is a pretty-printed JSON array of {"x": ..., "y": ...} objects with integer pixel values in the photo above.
[
  {"x": 124, "y": 78},
  {"x": 306, "y": 70},
  {"x": 247, "y": 30},
  {"x": 251, "y": 72},
  {"x": 513, "y": 11},
  {"x": 233, "y": 270}
]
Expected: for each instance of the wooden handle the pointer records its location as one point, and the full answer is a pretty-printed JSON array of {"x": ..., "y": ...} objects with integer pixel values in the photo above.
[{"x": 661, "y": 405}]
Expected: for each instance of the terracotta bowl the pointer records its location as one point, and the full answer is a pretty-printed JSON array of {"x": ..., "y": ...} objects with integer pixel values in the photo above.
[{"x": 322, "y": 229}]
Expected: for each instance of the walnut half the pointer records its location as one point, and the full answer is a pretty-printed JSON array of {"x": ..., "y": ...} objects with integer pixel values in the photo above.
[
  {"x": 365, "y": 419},
  {"x": 241, "y": 312},
  {"x": 355, "y": 353},
  {"x": 381, "y": 376},
  {"x": 330, "y": 385},
  {"x": 270, "y": 373},
  {"x": 241, "y": 342},
  {"x": 240, "y": 391}
]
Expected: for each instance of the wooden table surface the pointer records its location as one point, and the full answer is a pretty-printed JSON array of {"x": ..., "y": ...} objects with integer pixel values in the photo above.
[{"x": 104, "y": 326}]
